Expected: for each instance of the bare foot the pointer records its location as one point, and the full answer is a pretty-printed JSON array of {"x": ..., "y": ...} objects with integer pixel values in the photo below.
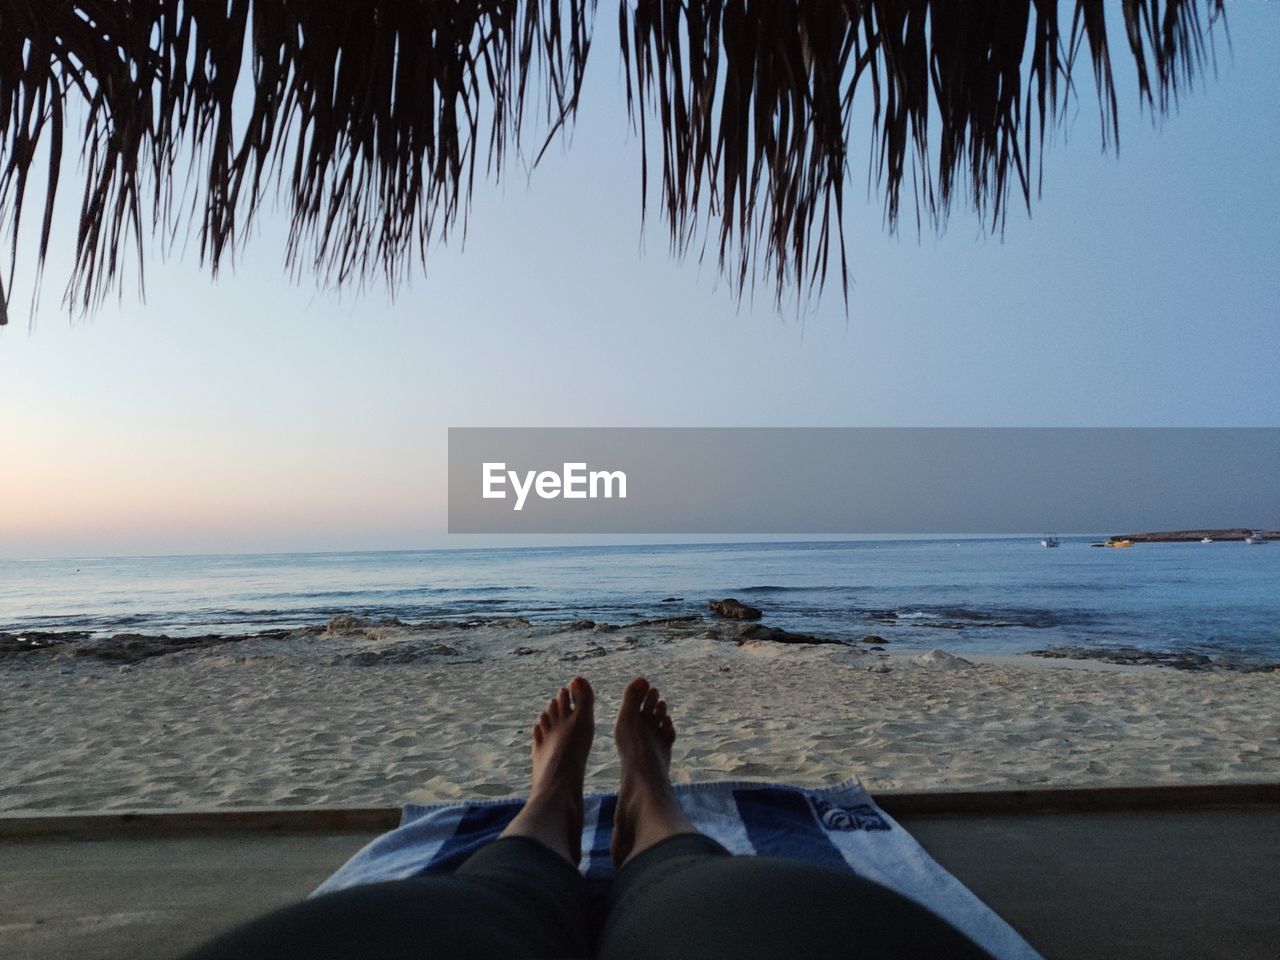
[
  {"x": 561, "y": 741},
  {"x": 647, "y": 811}
]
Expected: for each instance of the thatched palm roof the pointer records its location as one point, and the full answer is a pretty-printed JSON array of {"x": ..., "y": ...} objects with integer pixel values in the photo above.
[{"x": 369, "y": 119}]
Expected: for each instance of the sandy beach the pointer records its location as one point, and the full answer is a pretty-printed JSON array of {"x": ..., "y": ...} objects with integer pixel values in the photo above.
[{"x": 362, "y": 714}]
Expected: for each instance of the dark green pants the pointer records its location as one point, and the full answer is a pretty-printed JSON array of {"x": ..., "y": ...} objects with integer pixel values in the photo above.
[{"x": 683, "y": 899}]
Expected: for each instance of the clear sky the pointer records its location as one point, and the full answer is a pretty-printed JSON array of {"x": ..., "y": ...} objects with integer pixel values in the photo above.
[{"x": 258, "y": 414}]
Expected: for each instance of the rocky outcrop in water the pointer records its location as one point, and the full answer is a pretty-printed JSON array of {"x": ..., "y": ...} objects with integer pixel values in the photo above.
[
  {"x": 777, "y": 635},
  {"x": 735, "y": 609},
  {"x": 38, "y": 641}
]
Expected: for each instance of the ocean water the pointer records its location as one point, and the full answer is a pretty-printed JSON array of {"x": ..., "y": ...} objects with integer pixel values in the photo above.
[{"x": 977, "y": 595}]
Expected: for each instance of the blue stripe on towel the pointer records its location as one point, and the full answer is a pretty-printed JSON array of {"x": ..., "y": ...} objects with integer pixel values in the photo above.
[
  {"x": 480, "y": 825},
  {"x": 780, "y": 823},
  {"x": 599, "y": 865}
]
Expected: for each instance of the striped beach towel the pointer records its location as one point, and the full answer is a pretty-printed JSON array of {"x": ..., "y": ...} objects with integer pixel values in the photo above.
[{"x": 839, "y": 826}]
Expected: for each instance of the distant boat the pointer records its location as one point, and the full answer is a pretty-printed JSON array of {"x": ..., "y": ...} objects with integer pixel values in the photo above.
[
  {"x": 1119, "y": 544},
  {"x": 1206, "y": 539},
  {"x": 1255, "y": 539},
  {"x": 1048, "y": 540}
]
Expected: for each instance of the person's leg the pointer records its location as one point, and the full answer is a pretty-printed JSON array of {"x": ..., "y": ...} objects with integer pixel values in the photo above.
[
  {"x": 452, "y": 915},
  {"x": 680, "y": 899},
  {"x": 519, "y": 897},
  {"x": 561, "y": 742},
  {"x": 679, "y": 894},
  {"x": 647, "y": 811}
]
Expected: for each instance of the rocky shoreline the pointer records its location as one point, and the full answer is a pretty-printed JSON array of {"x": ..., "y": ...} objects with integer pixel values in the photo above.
[
  {"x": 128, "y": 649},
  {"x": 403, "y": 642},
  {"x": 1135, "y": 656}
]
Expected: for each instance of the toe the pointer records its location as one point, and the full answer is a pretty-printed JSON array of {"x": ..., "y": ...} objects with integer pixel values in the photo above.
[
  {"x": 563, "y": 701},
  {"x": 667, "y": 730},
  {"x": 651, "y": 700},
  {"x": 584, "y": 698},
  {"x": 537, "y": 734},
  {"x": 633, "y": 696},
  {"x": 661, "y": 710},
  {"x": 553, "y": 710}
]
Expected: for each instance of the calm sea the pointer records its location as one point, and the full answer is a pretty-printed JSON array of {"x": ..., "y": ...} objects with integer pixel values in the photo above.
[{"x": 980, "y": 595}]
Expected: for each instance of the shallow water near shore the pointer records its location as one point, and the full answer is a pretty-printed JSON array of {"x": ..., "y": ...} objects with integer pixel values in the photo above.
[{"x": 1002, "y": 595}]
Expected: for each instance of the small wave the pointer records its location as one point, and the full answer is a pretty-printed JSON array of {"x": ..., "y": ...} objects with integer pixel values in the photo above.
[
  {"x": 773, "y": 588},
  {"x": 387, "y": 592},
  {"x": 957, "y": 618}
]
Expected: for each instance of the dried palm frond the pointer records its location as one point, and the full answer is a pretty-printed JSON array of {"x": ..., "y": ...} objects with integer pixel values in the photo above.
[
  {"x": 368, "y": 118},
  {"x": 754, "y": 107}
]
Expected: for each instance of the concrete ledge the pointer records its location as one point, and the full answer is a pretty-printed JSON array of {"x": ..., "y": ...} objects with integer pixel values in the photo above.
[
  {"x": 899, "y": 804},
  {"x": 930, "y": 803},
  {"x": 192, "y": 823}
]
